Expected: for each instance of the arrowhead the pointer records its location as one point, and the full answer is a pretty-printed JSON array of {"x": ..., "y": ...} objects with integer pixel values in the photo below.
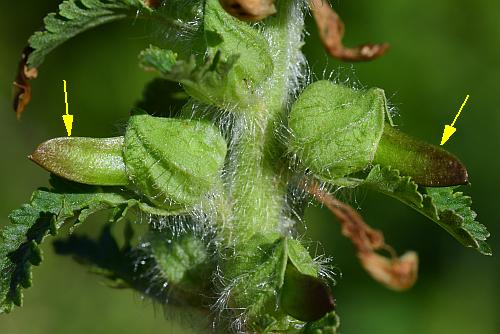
[
  {"x": 68, "y": 123},
  {"x": 448, "y": 131}
]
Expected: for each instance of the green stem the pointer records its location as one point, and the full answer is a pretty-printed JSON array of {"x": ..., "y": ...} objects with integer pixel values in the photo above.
[{"x": 258, "y": 173}]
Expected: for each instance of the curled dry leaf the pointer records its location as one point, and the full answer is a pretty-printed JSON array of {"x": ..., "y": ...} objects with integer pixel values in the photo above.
[
  {"x": 22, "y": 86},
  {"x": 397, "y": 273},
  {"x": 331, "y": 31},
  {"x": 249, "y": 10}
]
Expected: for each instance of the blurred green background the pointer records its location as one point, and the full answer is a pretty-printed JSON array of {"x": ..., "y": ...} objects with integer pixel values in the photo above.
[{"x": 441, "y": 51}]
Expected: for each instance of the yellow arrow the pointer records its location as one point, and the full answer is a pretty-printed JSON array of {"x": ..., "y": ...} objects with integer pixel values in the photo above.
[
  {"x": 67, "y": 118},
  {"x": 449, "y": 130}
]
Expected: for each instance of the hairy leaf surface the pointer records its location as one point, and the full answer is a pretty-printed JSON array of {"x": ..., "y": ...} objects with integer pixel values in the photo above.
[
  {"x": 259, "y": 272},
  {"x": 207, "y": 82},
  {"x": 336, "y": 129},
  {"x": 231, "y": 37},
  {"x": 174, "y": 162}
]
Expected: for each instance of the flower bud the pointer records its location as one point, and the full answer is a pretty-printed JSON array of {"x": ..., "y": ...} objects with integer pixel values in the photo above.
[
  {"x": 95, "y": 161},
  {"x": 426, "y": 164}
]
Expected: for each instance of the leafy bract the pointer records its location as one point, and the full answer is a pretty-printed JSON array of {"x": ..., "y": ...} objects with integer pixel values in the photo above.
[
  {"x": 335, "y": 129},
  {"x": 261, "y": 271},
  {"x": 449, "y": 209},
  {"x": 176, "y": 19},
  {"x": 237, "y": 62},
  {"x": 206, "y": 82},
  {"x": 173, "y": 162},
  {"x": 74, "y": 17},
  {"x": 44, "y": 215},
  {"x": 183, "y": 261},
  {"x": 234, "y": 37}
]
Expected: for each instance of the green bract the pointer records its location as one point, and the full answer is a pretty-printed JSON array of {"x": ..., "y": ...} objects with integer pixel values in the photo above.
[
  {"x": 279, "y": 281},
  {"x": 43, "y": 215},
  {"x": 335, "y": 130},
  {"x": 237, "y": 62},
  {"x": 174, "y": 162},
  {"x": 207, "y": 82},
  {"x": 183, "y": 261},
  {"x": 75, "y": 17},
  {"x": 234, "y": 37}
]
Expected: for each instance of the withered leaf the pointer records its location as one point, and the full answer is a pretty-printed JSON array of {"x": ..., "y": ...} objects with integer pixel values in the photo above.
[
  {"x": 397, "y": 273},
  {"x": 249, "y": 10},
  {"x": 22, "y": 86},
  {"x": 331, "y": 31}
]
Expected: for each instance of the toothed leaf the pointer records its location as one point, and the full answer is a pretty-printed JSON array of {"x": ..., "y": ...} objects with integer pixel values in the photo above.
[
  {"x": 457, "y": 217},
  {"x": 44, "y": 215},
  {"x": 449, "y": 209},
  {"x": 326, "y": 325},
  {"x": 77, "y": 16},
  {"x": 207, "y": 82}
]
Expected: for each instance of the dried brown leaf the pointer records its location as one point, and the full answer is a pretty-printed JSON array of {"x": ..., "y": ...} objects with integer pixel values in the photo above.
[
  {"x": 331, "y": 31},
  {"x": 22, "y": 86},
  {"x": 249, "y": 10},
  {"x": 397, "y": 273}
]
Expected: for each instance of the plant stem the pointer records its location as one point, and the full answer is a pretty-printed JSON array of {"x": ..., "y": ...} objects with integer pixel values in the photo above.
[{"x": 258, "y": 171}]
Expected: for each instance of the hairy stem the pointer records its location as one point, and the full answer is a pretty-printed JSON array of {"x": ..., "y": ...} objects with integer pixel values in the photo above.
[{"x": 258, "y": 174}]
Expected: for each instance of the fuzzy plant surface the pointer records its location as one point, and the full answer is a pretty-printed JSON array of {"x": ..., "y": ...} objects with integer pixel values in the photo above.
[{"x": 223, "y": 180}]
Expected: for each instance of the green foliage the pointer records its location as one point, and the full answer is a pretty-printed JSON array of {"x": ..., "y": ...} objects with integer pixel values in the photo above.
[
  {"x": 281, "y": 267},
  {"x": 335, "y": 130},
  {"x": 235, "y": 226},
  {"x": 44, "y": 215},
  {"x": 451, "y": 210},
  {"x": 184, "y": 261},
  {"x": 173, "y": 162},
  {"x": 207, "y": 82},
  {"x": 327, "y": 325},
  {"x": 231, "y": 37},
  {"x": 74, "y": 17}
]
